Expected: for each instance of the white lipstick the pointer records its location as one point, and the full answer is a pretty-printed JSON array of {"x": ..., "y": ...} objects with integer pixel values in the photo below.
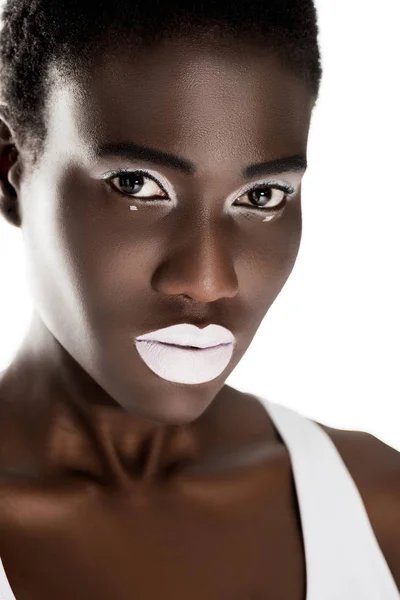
[{"x": 167, "y": 352}]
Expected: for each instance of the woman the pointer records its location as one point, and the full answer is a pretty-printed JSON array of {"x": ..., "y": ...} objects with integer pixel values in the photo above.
[{"x": 153, "y": 160}]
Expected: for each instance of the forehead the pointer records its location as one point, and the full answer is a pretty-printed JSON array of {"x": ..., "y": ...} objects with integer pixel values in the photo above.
[{"x": 187, "y": 96}]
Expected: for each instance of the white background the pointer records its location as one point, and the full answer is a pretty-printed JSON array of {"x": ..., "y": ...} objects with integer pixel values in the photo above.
[{"x": 329, "y": 346}]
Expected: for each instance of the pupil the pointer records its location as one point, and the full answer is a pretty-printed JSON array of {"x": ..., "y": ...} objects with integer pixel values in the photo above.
[
  {"x": 264, "y": 192},
  {"x": 125, "y": 179}
]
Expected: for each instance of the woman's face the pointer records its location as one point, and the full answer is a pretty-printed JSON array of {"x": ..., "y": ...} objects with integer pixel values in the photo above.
[{"x": 103, "y": 273}]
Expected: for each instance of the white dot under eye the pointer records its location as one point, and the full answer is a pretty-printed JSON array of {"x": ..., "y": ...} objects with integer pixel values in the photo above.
[{"x": 133, "y": 208}]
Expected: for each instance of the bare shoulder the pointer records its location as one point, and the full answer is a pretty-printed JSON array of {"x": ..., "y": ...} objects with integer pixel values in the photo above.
[
  {"x": 375, "y": 469},
  {"x": 368, "y": 458}
]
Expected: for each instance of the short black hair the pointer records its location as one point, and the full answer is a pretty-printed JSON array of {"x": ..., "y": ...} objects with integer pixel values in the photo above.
[{"x": 36, "y": 34}]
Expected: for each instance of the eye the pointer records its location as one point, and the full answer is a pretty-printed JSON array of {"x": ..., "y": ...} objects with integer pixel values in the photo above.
[
  {"x": 268, "y": 198},
  {"x": 140, "y": 185},
  {"x": 131, "y": 183}
]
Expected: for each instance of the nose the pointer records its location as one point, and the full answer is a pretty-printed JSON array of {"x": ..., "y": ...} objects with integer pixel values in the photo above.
[{"x": 200, "y": 266}]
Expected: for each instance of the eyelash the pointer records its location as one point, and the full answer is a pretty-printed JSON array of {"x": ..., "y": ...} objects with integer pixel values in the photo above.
[{"x": 287, "y": 189}]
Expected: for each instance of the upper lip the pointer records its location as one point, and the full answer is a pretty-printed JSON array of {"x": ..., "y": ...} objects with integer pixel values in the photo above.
[{"x": 187, "y": 334}]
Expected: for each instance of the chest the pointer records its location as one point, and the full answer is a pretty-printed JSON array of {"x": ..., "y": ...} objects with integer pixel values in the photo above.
[{"x": 223, "y": 544}]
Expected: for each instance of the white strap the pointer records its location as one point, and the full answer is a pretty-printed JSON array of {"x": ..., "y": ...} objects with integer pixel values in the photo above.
[{"x": 343, "y": 557}]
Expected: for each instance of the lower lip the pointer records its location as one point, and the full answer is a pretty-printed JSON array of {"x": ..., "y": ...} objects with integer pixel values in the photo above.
[{"x": 181, "y": 364}]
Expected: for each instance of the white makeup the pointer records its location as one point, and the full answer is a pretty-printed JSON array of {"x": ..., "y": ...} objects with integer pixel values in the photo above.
[
  {"x": 184, "y": 353},
  {"x": 183, "y": 364}
]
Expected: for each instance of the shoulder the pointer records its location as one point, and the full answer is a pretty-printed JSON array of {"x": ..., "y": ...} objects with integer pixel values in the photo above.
[{"x": 375, "y": 469}]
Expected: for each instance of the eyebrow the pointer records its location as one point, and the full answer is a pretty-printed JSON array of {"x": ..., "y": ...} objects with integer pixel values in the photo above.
[{"x": 131, "y": 151}]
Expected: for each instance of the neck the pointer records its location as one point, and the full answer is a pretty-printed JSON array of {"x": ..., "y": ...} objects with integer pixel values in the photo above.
[{"x": 56, "y": 420}]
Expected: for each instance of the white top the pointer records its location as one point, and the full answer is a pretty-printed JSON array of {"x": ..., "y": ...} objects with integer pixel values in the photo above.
[{"x": 343, "y": 558}]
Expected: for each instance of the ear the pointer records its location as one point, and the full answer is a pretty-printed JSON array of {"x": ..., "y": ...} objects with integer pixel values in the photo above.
[{"x": 9, "y": 168}]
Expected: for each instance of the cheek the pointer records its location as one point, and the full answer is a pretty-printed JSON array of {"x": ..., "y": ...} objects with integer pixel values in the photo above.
[
  {"x": 266, "y": 269},
  {"x": 293, "y": 232},
  {"x": 62, "y": 243},
  {"x": 275, "y": 249}
]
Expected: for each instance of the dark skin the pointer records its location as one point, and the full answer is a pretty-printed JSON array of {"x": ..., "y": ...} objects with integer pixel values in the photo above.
[{"x": 114, "y": 480}]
